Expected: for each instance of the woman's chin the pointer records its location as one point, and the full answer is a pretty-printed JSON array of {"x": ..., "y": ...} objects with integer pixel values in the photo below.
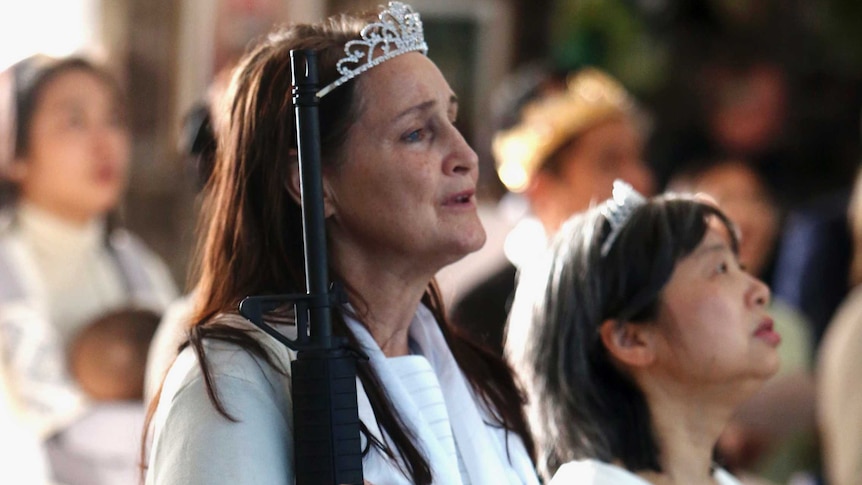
[
  {"x": 464, "y": 248},
  {"x": 769, "y": 367},
  {"x": 473, "y": 241}
]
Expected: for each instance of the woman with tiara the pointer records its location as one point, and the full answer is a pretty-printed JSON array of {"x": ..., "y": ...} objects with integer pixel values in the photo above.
[
  {"x": 637, "y": 340},
  {"x": 399, "y": 184}
]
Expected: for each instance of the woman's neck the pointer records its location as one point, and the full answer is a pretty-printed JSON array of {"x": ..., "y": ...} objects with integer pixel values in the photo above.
[
  {"x": 686, "y": 427},
  {"x": 53, "y": 234},
  {"x": 65, "y": 214},
  {"x": 386, "y": 300}
]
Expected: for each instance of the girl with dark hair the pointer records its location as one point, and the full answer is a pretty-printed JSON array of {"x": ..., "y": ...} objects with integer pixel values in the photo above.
[
  {"x": 64, "y": 156},
  {"x": 637, "y": 339},
  {"x": 399, "y": 185}
]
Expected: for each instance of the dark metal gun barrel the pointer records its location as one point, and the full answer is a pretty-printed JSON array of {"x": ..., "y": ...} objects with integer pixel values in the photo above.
[{"x": 325, "y": 412}]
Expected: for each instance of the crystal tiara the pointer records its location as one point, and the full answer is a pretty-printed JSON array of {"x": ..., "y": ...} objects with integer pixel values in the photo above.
[
  {"x": 618, "y": 209},
  {"x": 399, "y": 31}
]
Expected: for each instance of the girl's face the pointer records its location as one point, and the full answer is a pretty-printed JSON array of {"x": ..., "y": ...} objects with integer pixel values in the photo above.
[
  {"x": 712, "y": 322},
  {"x": 78, "y": 154}
]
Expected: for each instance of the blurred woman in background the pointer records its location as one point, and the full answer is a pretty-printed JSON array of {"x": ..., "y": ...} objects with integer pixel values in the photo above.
[{"x": 64, "y": 158}]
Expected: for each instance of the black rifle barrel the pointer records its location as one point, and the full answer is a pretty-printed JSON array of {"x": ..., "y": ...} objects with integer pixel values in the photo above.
[
  {"x": 325, "y": 412},
  {"x": 303, "y": 66}
]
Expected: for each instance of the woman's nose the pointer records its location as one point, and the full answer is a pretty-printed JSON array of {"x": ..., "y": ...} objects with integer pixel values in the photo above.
[
  {"x": 760, "y": 292},
  {"x": 462, "y": 159},
  {"x": 111, "y": 142}
]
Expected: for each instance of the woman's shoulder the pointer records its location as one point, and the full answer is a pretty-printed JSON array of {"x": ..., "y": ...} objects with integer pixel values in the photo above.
[
  {"x": 253, "y": 441},
  {"x": 261, "y": 360},
  {"x": 261, "y": 366}
]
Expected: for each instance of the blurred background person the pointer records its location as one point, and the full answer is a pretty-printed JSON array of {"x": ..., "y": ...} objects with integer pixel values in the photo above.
[
  {"x": 769, "y": 83},
  {"x": 839, "y": 411},
  {"x": 814, "y": 252},
  {"x": 22, "y": 456},
  {"x": 64, "y": 153},
  {"x": 772, "y": 435},
  {"x": 198, "y": 143},
  {"x": 562, "y": 154}
]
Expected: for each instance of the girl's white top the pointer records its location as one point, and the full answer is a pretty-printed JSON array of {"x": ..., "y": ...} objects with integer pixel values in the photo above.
[{"x": 594, "y": 472}]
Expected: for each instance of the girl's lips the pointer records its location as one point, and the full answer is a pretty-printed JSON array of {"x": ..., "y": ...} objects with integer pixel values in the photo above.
[
  {"x": 766, "y": 332},
  {"x": 106, "y": 174}
]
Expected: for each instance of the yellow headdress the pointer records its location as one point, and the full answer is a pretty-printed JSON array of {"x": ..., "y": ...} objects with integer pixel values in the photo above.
[{"x": 591, "y": 97}]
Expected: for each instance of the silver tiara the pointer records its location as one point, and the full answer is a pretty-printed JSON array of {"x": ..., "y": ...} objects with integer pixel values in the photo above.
[
  {"x": 399, "y": 31},
  {"x": 618, "y": 209}
]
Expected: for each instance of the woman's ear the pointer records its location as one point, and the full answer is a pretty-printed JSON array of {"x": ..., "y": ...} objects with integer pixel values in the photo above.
[
  {"x": 628, "y": 343},
  {"x": 294, "y": 182}
]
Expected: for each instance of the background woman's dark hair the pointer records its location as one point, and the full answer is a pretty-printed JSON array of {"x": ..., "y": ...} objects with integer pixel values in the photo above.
[
  {"x": 251, "y": 232},
  {"x": 589, "y": 408},
  {"x": 198, "y": 143},
  {"x": 21, "y": 88}
]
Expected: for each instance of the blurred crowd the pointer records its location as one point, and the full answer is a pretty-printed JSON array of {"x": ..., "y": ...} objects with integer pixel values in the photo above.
[{"x": 745, "y": 104}]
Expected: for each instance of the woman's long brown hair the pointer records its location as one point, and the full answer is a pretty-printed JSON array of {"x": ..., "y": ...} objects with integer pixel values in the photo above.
[{"x": 251, "y": 229}]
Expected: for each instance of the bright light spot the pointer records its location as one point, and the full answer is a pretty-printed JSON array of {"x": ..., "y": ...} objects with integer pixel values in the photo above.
[{"x": 53, "y": 27}]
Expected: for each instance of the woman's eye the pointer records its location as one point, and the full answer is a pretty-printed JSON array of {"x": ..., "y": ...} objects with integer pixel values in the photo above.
[
  {"x": 723, "y": 267},
  {"x": 75, "y": 121},
  {"x": 414, "y": 136}
]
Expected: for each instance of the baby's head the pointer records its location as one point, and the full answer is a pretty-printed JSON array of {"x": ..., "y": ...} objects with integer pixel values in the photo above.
[{"x": 108, "y": 357}]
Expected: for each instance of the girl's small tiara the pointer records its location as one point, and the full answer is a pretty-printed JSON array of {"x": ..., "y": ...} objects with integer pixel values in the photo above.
[
  {"x": 618, "y": 210},
  {"x": 399, "y": 31}
]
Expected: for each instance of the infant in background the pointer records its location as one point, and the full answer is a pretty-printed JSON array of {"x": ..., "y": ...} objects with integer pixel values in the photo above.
[{"x": 107, "y": 359}]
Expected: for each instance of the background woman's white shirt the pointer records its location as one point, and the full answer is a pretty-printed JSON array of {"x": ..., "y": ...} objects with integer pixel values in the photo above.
[{"x": 57, "y": 278}]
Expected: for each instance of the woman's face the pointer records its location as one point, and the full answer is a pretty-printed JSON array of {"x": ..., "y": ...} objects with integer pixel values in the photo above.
[
  {"x": 609, "y": 151},
  {"x": 712, "y": 323},
  {"x": 742, "y": 196},
  {"x": 78, "y": 153},
  {"x": 406, "y": 189}
]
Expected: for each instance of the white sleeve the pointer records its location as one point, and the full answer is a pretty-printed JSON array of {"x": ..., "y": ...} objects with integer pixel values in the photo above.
[
  {"x": 34, "y": 366},
  {"x": 164, "y": 347},
  {"x": 21, "y": 455},
  {"x": 839, "y": 399},
  {"x": 195, "y": 444},
  {"x": 164, "y": 287}
]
